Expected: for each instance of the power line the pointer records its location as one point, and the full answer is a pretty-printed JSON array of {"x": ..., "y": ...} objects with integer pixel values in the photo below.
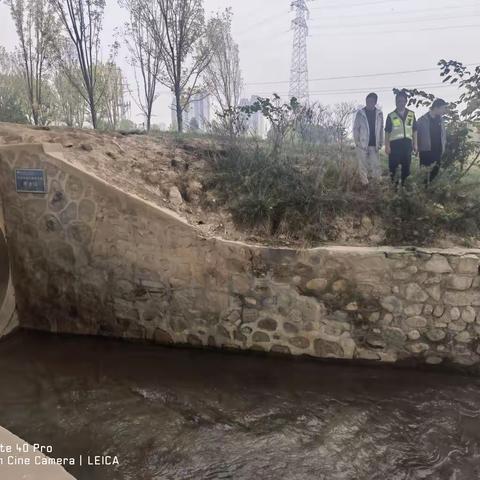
[
  {"x": 248, "y": 29},
  {"x": 408, "y": 21},
  {"x": 326, "y": 26},
  {"x": 428, "y": 29},
  {"x": 396, "y": 13},
  {"x": 367, "y": 75},
  {"x": 386, "y": 88},
  {"x": 377, "y": 89},
  {"x": 340, "y": 7}
]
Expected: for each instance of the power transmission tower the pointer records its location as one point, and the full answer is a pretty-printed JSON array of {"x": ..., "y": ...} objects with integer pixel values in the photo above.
[{"x": 299, "y": 67}]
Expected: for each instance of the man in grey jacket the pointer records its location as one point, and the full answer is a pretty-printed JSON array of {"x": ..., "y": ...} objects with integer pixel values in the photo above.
[
  {"x": 432, "y": 138},
  {"x": 368, "y": 136}
]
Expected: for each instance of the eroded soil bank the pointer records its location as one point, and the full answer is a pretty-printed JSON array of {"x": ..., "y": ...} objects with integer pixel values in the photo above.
[
  {"x": 171, "y": 414},
  {"x": 175, "y": 172}
]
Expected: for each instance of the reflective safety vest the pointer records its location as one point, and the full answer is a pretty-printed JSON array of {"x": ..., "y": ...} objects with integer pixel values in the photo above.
[{"x": 401, "y": 129}]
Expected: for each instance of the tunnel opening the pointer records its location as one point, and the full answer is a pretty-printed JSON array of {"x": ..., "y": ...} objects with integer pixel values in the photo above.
[{"x": 4, "y": 268}]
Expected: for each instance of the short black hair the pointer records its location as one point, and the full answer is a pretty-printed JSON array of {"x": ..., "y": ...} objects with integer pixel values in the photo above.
[
  {"x": 439, "y": 102},
  {"x": 401, "y": 94},
  {"x": 372, "y": 95}
]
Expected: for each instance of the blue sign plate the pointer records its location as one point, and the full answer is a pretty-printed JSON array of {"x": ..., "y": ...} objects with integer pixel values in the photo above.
[{"x": 30, "y": 181}]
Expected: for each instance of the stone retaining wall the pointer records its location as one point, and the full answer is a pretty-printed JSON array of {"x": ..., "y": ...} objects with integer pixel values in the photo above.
[{"x": 91, "y": 259}]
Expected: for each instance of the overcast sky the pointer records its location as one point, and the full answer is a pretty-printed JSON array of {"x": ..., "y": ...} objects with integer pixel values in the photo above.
[{"x": 347, "y": 38}]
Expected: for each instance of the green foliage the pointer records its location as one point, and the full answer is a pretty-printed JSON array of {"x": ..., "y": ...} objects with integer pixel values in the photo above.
[
  {"x": 11, "y": 108},
  {"x": 13, "y": 100},
  {"x": 419, "y": 214},
  {"x": 462, "y": 117},
  {"x": 126, "y": 125},
  {"x": 460, "y": 146},
  {"x": 468, "y": 104},
  {"x": 306, "y": 195},
  {"x": 286, "y": 194},
  {"x": 297, "y": 187},
  {"x": 291, "y": 122}
]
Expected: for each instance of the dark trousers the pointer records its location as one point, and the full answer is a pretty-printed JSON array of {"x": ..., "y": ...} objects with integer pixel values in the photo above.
[
  {"x": 400, "y": 158},
  {"x": 431, "y": 160}
]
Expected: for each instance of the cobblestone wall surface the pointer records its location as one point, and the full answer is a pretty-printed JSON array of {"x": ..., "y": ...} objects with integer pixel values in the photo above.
[{"x": 91, "y": 259}]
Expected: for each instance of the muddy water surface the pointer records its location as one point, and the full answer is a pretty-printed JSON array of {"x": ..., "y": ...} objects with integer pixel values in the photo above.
[{"x": 179, "y": 414}]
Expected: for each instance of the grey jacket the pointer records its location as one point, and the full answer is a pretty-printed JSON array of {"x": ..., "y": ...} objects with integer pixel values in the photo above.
[
  {"x": 361, "y": 129},
  {"x": 423, "y": 130}
]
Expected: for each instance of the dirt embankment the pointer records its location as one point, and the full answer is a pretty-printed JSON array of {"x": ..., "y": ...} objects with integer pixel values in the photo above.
[
  {"x": 172, "y": 172},
  {"x": 165, "y": 170}
]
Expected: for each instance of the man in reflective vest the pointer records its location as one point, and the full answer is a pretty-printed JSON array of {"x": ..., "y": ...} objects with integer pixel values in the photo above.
[{"x": 400, "y": 138}]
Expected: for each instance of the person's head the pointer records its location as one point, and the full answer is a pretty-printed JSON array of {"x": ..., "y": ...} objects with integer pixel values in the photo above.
[
  {"x": 371, "y": 101},
  {"x": 401, "y": 100},
  {"x": 439, "y": 107}
]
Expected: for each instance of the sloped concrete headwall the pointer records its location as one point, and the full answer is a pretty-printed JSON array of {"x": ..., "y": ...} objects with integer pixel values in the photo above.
[
  {"x": 8, "y": 318},
  {"x": 90, "y": 259}
]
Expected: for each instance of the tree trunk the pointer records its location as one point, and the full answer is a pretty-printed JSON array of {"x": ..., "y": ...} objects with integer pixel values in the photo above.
[
  {"x": 94, "y": 118},
  {"x": 34, "y": 109},
  {"x": 179, "y": 110},
  {"x": 149, "y": 117},
  {"x": 93, "y": 110}
]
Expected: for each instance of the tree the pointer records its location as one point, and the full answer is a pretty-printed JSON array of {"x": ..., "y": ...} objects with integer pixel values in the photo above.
[
  {"x": 82, "y": 21},
  {"x": 112, "y": 107},
  {"x": 145, "y": 55},
  {"x": 462, "y": 116},
  {"x": 70, "y": 104},
  {"x": 282, "y": 117},
  {"x": 341, "y": 120},
  {"x": 178, "y": 27},
  {"x": 314, "y": 124},
  {"x": 34, "y": 22},
  {"x": 222, "y": 75},
  {"x": 13, "y": 102},
  {"x": 454, "y": 72}
]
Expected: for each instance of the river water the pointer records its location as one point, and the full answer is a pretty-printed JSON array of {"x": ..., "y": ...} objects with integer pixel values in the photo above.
[{"x": 180, "y": 414}]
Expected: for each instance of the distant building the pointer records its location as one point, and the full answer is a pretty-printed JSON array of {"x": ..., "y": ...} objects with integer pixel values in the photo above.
[
  {"x": 200, "y": 108},
  {"x": 257, "y": 123},
  {"x": 196, "y": 115}
]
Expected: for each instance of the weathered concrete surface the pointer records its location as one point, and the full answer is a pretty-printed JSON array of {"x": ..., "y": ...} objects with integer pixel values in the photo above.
[
  {"x": 8, "y": 318},
  {"x": 90, "y": 259},
  {"x": 13, "y": 463}
]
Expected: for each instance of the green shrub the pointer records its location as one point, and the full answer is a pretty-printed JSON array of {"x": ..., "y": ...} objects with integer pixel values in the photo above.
[
  {"x": 295, "y": 196},
  {"x": 303, "y": 195}
]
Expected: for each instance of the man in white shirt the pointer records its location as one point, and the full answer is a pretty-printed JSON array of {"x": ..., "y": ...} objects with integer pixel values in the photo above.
[{"x": 368, "y": 135}]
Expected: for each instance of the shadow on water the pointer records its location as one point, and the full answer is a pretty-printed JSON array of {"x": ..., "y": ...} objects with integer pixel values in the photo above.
[{"x": 180, "y": 414}]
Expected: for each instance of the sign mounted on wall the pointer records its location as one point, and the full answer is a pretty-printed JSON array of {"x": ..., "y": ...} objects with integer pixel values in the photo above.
[{"x": 30, "y": 180}]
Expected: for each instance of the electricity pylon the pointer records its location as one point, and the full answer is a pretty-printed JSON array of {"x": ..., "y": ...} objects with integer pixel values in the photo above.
[{"x": 299, "y": 67}]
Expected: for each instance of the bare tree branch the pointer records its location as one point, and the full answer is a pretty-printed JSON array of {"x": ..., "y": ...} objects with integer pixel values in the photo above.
[
  {"x": 223, "y": 76},
  {"x": 145, "y": 55},
  {"x": 35, "y": 26},
  {"x": 82, "y": 21},
  {"x": 178, "y": 28}
]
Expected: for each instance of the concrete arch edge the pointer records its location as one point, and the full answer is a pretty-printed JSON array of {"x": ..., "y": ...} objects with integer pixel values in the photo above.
[{"x": 8, "y": 314}]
